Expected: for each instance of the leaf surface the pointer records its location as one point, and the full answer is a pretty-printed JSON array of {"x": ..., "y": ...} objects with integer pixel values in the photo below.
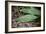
[
  {"x": 32, "y": 11},
  {"x": 26, "y": 18}
]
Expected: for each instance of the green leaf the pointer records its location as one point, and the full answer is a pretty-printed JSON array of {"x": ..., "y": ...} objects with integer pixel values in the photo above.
[
  {"x": 26, "y": 18},
  {"x": 32, "y": 11}
]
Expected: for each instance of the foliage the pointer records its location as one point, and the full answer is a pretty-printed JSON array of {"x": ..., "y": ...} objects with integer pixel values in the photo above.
[{"x": 30, "y": 14}]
